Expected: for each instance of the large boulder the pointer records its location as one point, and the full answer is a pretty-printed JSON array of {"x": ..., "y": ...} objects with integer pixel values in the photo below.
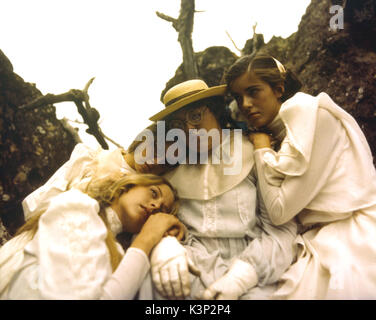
[
  {"x": 340, "y": 62},
  {"x": 211, "y": 63},
  {"x": 34, "y": 144}
]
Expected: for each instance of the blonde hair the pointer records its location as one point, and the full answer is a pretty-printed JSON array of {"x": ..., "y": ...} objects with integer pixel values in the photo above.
[{"x": 106, "y": 191}]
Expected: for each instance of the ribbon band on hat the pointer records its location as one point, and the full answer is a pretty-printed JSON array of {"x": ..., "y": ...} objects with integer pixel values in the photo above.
[
  {"x": 182, "y": 97},
  {"x": 185, "y": 93}
]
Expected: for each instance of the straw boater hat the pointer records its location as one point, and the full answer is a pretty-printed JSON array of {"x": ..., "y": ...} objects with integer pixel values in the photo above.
[{"x": 185, "y": 93}]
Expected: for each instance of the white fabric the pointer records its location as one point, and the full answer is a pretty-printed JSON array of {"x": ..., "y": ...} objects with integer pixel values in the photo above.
[
  {"x": 239, "y": 278},
  {"x": 68, "y": 257},
  {"x": 113, "y": 221},
  {"x": 128, "y": 277},
  {"x": 169, "y": 265},
  {"x": 230, "y": 226},
  {"x": 11, "y": 258},
  {"x": 78, "y": 171},
  {"x": 211, "y": 180},
  {"x": 324, "y": 175}
]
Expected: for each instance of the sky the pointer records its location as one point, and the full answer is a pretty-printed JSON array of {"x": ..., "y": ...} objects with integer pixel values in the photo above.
[{"x": 60, "y": 45}]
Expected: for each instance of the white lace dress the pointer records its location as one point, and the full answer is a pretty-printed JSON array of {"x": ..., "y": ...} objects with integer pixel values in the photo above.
[
  {"x": 323, "y": 174},
  {"x": 226, "y": 221},
  {"x": 68, "y": 257}
]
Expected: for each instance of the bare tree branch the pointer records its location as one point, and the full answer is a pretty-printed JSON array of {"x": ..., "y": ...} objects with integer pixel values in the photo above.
[
  {"x": 113, "y": 142},
  {"x": 169, "y": 19},
  {"x": 105, "y": 136},
  {"x": 71, "y": 130},
  {"x": 81, "y": 99},
  {"x": 184, "y": 26},
  {"x": 233, "y": 42},
  {"x": 254, "y": 28}
]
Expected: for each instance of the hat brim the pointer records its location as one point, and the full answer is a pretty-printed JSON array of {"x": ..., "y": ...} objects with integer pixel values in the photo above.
[{"x": 210, "y": 92}]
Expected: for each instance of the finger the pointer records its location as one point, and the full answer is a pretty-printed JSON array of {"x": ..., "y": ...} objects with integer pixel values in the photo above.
[
  {"x": 220, "y": 296},
  {"x": 182, "y": 231},
  {"x": 166, "y": 283},
  {"x": 192, "y": 268},
  {"x": 173, "y": 232},
  {"x": 175, "y": 282},
  {"x": 185, "y": 279},
  {"x": 210, "y": 294},
  {"x": 157, "y": 282}
]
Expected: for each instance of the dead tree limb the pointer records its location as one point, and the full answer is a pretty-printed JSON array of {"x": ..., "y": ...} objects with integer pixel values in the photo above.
[
  {"x": 184, "y": 26},
  {"x": 89, "y": 115},
  {"x": 233, "y": 42}
]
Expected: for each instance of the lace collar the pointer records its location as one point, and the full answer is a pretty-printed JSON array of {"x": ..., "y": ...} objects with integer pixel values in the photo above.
[{"x": 113, "y": 221}]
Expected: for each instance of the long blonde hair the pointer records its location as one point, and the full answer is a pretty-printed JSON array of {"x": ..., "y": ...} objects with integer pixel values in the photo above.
[{"x": 106, "y": 191}]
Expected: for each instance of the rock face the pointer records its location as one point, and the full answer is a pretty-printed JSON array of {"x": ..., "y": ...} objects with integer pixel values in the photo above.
[
  {"x": 211, "y": 63},
  {"x": 34, "y": 144},
  {"x": 340, "y": 62}
]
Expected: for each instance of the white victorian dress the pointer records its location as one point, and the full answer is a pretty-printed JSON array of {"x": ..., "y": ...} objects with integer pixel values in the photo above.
[
  {"x": 322, "y": 174},
  {"x": 226, "y": 221},
  {"x": 68, "y": 257}
]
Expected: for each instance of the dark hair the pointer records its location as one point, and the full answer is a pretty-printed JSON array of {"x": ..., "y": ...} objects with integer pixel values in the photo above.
[{"x": 265, "y": 67}]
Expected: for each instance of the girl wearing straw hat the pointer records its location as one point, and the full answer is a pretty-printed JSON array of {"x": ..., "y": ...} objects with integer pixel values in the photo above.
[{"x": 232, "y": 250}]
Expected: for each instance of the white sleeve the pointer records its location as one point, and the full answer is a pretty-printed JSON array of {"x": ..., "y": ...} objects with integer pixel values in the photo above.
[
  {"x": 74, "y": 168},
  {"x": 73, "y": 258},
  {"x": 123, "y": 284},
  {"x": 74, "y": 261},
  {"x": 273, "y": 251},
  {"x": 286, "y": 196}
]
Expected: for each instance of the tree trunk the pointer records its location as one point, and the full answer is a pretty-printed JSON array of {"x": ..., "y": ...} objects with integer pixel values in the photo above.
[{"x": 184, "y": 26}]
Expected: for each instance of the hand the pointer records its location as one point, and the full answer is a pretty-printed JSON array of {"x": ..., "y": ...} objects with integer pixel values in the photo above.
[
  {"x": 260, "y": 140},
  {"x": 170, "y": 266},
  {"x": 239, "y": 278},
  {"x": 155, "y": 228},
  {"x": 176, "y": 232}
]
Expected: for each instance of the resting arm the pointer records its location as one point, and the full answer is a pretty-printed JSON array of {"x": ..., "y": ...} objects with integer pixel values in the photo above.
[
  {"x": 273, "y": 251},
  {"x": 73, "y": 259},
  {"x": 285, "y": 200}
]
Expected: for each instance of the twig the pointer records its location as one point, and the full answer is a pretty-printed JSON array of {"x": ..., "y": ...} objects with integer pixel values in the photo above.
[
  {"x": 233, "y": 42},
  {"x": 169, "y": 19},
  {"x": 105, "y": 136},
  {"x": 113, "y": 142},
  {"x": 74, "y": 121},
  {"x": 73, "y": 131},
  {"x": 81, "y": 99},
  {"x": 254, "y": 28}
]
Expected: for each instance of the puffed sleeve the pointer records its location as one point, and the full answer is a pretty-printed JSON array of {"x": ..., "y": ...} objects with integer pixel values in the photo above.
[
  {"x": 73, "y": 257},
  {"x": 286, "y": 195},
  {"x": 74, "y": 168},
  {"x": 74, "y": 261},
  {"x": 273, "y": 251}
]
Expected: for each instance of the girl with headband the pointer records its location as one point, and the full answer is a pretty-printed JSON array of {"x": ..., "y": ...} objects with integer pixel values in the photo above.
[{"x": 320, "y": 172}]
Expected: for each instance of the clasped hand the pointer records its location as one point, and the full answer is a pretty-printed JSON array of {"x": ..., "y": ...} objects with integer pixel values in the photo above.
[
  {"x": 240, "y": 277},
  {"x": 170, "y": 267},
  {"x": 260, "y": 140}
]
